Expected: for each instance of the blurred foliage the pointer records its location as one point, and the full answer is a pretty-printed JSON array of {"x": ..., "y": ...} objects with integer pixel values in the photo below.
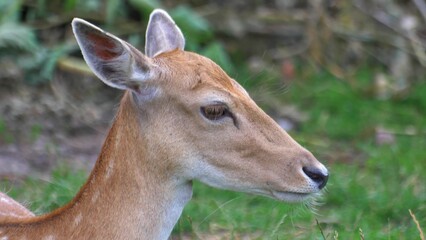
[
  {"x": 145, "y": 7},
  {"x": 197, "y": 29},
  {"x": 5, "y": 135},
  {"x": 33, "y": 33},
  {"x": 16, "y": 38},
  {"x": 19, "y": 42},
  {"x": 337, "y": 36}
]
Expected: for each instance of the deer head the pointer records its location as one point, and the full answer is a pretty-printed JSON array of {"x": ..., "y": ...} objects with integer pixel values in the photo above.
[{"x": 203, "y": 123}]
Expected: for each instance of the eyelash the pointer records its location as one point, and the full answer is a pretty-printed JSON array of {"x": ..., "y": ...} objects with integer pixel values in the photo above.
[
  {"x": 215, "y": 112},
  {"x": 218, "y": 111}
]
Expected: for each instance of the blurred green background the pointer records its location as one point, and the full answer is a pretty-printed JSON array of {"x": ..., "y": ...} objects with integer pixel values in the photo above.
[{"x": 346, "y": 79}]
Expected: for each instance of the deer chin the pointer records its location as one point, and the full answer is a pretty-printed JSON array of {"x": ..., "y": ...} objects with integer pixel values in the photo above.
[{"x": 291, "y": 197}]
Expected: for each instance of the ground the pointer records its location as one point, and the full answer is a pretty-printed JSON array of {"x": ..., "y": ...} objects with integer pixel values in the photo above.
[{"x": 43, "y": 126}]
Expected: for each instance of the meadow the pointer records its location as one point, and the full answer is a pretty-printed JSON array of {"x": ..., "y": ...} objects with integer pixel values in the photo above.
[{"x": 374, "y": 149}]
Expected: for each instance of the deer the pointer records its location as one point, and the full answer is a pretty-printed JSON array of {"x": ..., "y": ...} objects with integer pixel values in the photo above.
[{"x": 181, "y": 118}]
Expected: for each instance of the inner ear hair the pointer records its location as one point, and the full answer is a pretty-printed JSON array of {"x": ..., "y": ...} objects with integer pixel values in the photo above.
[{"x": 117, "y": 63}]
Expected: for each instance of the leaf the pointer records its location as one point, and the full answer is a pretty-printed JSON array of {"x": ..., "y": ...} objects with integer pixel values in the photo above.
[
  {"x": 16, "y": 37},
  {"x": 112, "y": 10},
  {"x": 53, "y": 57},
  {"x": 40, "y": 67},
  {"x": 145, "y": 7},
  {"x": 70, "y": 5},
  {"x": 88, "y": 6},
  {"x": 10, "y": 10}
]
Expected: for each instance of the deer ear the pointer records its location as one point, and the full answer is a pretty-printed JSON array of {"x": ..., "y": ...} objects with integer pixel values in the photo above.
[
  {"x": 162, "y": 34},
  {"x": 114, "y": 61}
]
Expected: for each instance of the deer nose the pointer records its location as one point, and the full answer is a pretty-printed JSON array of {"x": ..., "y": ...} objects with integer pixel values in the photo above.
[{"x": 317, "y": 175}]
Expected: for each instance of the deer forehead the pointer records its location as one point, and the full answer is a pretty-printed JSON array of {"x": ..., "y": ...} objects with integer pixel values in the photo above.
[{"x": 190, "y": 71}]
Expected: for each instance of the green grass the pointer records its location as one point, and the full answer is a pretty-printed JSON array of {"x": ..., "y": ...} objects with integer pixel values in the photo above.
[
  {"x": 370, "y": 191},
  {"x": 44, "y": 196}
]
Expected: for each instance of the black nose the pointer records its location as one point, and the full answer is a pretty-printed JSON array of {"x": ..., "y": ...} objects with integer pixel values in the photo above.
[{"x": 316, "y": 175}]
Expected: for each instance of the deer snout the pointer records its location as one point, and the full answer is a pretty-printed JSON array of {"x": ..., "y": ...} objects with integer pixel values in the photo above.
[
  {"x": 313, "y": 170},
  {"x": 317, "y": 175}
]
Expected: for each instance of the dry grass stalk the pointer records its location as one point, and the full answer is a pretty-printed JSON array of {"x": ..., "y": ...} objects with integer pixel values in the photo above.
[{"x": 422, "y": 236}]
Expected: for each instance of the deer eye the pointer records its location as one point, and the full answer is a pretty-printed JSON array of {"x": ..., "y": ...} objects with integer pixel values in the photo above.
[{"x": 215, "y": 111}]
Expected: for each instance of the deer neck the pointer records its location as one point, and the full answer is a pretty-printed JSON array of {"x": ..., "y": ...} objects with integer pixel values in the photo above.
[
  {"x": 129, "y": 187},
  {"x": 125, "y": 197}
]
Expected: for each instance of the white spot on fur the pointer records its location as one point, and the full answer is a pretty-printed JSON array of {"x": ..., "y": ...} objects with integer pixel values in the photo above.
[
  {"x": 95, "y": 196},
  {"x": 93, "y": 179},
  {"x": 4, "y": 238},
  {"x": 6, "y": 200},
  {"x": 78, "y": 219},
  {"x": 109, "y": 170},
  {"x": 50, "y": 237}
]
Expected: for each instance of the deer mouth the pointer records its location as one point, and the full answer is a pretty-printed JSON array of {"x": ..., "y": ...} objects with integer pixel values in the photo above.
[{"x": 290, "y": 196}]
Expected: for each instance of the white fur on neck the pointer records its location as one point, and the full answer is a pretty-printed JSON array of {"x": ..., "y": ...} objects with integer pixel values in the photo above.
[{"x": 174, "y": 208}]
